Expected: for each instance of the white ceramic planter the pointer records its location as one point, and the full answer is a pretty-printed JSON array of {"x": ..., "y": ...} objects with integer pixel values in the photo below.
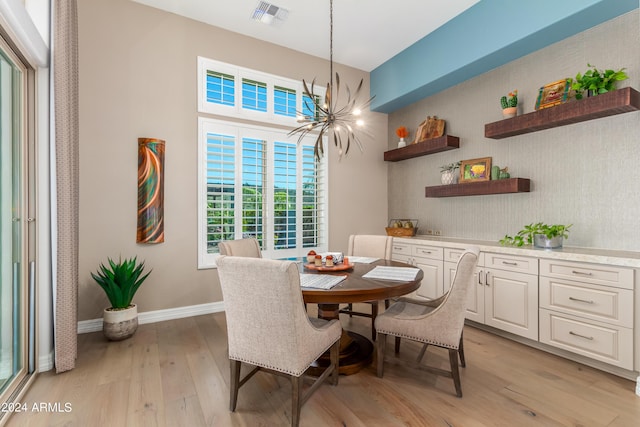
[
  {"x": 120, "y": 324},
  {"x": 449, "y": 177}
]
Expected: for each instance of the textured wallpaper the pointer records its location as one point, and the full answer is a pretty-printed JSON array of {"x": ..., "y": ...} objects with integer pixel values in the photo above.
[{"x": 584, "y": 173}]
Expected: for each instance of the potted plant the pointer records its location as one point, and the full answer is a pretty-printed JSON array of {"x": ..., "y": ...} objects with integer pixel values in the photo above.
[
  {"x": 402, "y": 133},
  {"x": 449, "y": 174},
  {"x": 540, "y": 235},
  {"x": 120, "y": 281},
  {"x": 596, "y": 81},
  {"x": 509, "y": 104}
]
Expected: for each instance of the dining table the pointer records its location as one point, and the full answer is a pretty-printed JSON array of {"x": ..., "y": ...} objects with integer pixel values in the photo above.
[{"x": 356, "y": 350}]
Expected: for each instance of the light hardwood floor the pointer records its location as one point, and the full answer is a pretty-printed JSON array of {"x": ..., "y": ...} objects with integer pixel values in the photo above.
[{"x": 175, "y": 373}]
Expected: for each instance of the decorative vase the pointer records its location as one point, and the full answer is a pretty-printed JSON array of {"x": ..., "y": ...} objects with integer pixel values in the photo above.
[
  {"x": 402, "y": 143},
  {"x": 542, "y": 241},
  {"x": 448, "y": 177},
  {"x": 509, "y": 112},
  {"x": 120, "y": 324}
]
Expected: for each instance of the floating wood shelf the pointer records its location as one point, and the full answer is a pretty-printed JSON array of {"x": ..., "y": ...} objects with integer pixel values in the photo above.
[
  {"x": 422, "y": 148},
  {"x": 500, "y": 186},
  {"x": 608, "y": 104}
]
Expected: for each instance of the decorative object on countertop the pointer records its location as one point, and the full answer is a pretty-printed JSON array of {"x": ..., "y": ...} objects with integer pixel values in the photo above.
[
  {"x": 402, "y": 133},
  {"x": 150, "y": 227},
  {"x": 510, "y": 105},
  {"x": 328, "y": 117},
  {"x": 553, "y": 94},
  {"x": 448, "y": 174},
  {"x": 595, "y": 81},
  {"x": 402, "y": 227},
  {"x": 475, "y": 169},
  {"x": 120, "y": 281},
  {"x": 540, "y": 235},
  {"x": 432, "y": 127}
]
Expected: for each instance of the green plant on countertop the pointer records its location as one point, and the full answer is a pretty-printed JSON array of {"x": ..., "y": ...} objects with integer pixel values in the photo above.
[
  {"x": 120, "y": 280},
  {"x": 511, "y": 101},
  {"x": 525, "y": 236},
  {"x": 596, "y": 81},
  {"x": 450, "y": 167}
]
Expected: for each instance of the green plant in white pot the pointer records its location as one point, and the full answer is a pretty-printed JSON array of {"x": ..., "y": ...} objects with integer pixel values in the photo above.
[
  {"x": 120, "y": 281},
  {"x": 541, "y": 235},
  {"x": 449, "y": 174}
]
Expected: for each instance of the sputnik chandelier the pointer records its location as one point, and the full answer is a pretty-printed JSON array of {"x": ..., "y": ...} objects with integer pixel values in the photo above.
[{"x": 341, "y": 121}]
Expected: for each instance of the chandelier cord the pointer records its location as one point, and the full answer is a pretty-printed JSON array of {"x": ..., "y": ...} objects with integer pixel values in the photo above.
[{"x": 331, "y": 42}]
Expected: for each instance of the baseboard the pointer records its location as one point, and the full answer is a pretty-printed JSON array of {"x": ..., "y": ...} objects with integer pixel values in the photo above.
[{"x": 95, "y": 325}]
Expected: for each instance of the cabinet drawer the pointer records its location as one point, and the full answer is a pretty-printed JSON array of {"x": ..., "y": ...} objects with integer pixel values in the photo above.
[
  {"x": 609, "y": 344},
  {"x": 601, "y": 303},
  {"x": 588, "y": 273},
  {"x": 430, "y": 252},
  {"x": 511, "y": 263},
  {"x": 453, "y": 255},
  {"x": 400, "y": 249}
]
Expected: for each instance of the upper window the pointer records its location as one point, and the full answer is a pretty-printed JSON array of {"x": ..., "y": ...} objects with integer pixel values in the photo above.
[{"x": 255, "y": 180}]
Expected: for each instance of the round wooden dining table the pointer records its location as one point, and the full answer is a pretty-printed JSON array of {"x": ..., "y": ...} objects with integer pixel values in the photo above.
[{"x": 356, "y": 351}]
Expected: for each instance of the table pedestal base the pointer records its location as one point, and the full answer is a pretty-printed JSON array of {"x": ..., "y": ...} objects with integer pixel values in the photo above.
[{"x": 356, "y": 351}]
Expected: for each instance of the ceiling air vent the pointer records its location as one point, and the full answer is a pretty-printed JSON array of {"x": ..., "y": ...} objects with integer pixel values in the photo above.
[{"x": 269, "y": 14}]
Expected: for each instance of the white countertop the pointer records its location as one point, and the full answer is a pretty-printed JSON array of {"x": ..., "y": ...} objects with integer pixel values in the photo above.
[{"x": 568, "y": 253}]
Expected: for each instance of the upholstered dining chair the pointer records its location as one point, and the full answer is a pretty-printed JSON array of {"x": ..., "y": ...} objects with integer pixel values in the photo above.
[
  {"x": 437, "y": 322},
  {"x": 242, "y": 247},
  {"x": 374, "y": 247},
  {"x": 268, "y": 328}
]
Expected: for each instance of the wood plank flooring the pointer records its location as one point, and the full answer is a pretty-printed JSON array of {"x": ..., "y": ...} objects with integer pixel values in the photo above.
[{"x": 176, "y": 373}]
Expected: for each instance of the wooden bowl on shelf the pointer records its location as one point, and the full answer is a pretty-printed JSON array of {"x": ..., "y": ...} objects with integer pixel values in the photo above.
[{"x": 401, "y": 231}]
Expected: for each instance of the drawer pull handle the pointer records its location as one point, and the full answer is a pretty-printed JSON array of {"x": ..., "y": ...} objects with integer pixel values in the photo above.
[
  {"x": 581, "y": 336},
  {"x": 583, "y": 273},
  {"x": 581, "y": 300},
  {"x": 509, "y": 263}
]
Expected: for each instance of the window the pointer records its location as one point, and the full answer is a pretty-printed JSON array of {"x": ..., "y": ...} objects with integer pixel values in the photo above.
[{"x": 255, "y": 182}]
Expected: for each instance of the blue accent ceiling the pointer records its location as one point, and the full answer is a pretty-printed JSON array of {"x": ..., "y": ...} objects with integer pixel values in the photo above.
[{"x": 487, "y": 35}]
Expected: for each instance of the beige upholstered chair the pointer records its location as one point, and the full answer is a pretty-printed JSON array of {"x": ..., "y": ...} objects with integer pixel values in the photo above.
[
  {"x": 374, "y": 247},
  {"x": 269, "y": 329},
  {"x": 242, "y": 247},
  {"x": 438, "y": 322}
]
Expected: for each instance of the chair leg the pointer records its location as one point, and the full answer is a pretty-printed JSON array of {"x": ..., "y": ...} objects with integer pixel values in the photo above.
[
  {"x": 374, "y": 314},
  {"x": 296, "y": 399},
  {"x": 387, "y": 303},
  {"x": 423, "y": 350},
  {"x": 350, "y": 308},
  {"x": 397, "y": 349},
  {"x": 234, "y": 379},
  {"x": 461, "y": 353},
  {"x": 381, "y": 343},
  {"x": 455, "y": 373},
  {"x": 334, "y": 355}
]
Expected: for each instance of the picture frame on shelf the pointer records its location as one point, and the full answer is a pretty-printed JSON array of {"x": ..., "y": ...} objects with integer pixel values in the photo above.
[
  {"x": 475, "y": 170},
  {"x": 552, "y": 94}
]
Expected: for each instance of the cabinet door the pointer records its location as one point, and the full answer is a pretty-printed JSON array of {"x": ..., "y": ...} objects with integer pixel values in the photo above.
[
  {"x": 475, "y": 297},
  {"x": 511, "y": 302},
  {"x": 432, "y": 281}
]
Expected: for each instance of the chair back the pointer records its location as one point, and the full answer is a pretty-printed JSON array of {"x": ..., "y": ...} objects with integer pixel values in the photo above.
[
  {"x": 266, "y": 321},
  {"x": 370, "y": 246},
  {"x": 242, "y": 247},
  {"x": 452, "y": 311}
]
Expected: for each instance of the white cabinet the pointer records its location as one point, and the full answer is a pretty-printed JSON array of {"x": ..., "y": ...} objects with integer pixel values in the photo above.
[
  {"x": 505, "y": 292},
  {"x": 429, "y": 260},
  {"x": 588, "y": 309}
]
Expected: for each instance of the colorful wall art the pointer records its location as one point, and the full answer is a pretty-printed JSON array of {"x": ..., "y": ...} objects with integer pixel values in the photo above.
[{"x": 150, "y": 191}]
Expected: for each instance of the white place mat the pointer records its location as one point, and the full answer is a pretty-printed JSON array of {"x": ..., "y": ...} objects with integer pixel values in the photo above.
[
  {"x": 320, "y": 281},
  {"x": 362, "y": 259},
  {"x": 400, "y": 274}
]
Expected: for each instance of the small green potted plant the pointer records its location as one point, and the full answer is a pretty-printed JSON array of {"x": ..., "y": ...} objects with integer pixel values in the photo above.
[
  {"x": 596, "y": 81},
  {"x": 510, "y": 104},
  {"x": 541, "y": 235},
  {"x": 449, "y": 174},
  {"x": 120, "y": 281}
]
